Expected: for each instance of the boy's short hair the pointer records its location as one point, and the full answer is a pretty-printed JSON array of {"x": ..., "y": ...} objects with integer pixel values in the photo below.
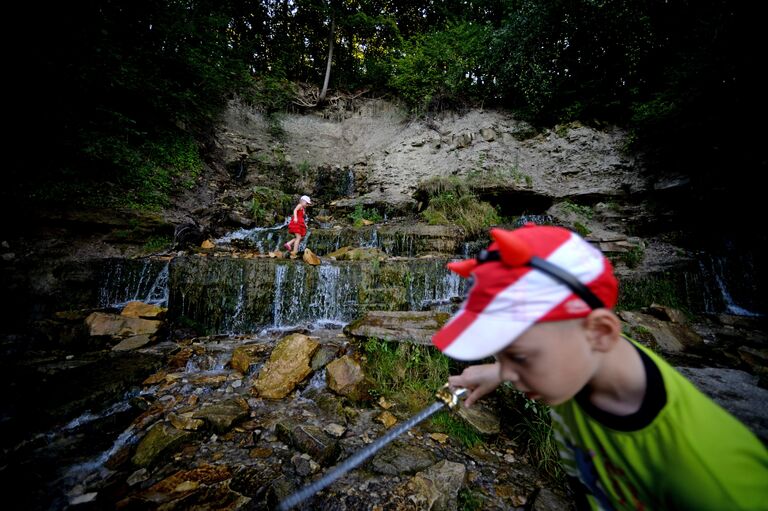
[{"x": 528, "y": 275}]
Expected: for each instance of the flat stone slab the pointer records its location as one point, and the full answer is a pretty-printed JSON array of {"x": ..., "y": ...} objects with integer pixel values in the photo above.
[{"x": 401, "y": 326}]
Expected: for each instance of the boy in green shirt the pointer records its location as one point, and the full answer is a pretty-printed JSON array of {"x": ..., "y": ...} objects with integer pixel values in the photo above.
[{"x": 632, "y": 432}]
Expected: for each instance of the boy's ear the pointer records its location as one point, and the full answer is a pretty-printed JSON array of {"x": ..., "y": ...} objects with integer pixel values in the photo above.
[{"x": 603, "y": 329}]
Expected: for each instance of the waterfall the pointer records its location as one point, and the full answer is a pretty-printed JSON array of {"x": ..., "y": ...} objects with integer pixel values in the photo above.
[
  {"x": 144, "y": 280},
  {"x": 724, "y": 286},
  {"x": 226, "y": 295},
  {"x": 320, "y": 296},
  {"x": 263, "y": 239}
]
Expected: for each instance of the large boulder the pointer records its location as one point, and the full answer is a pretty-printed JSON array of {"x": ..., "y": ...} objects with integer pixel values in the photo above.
[
  {"x": 345, "y": 376},
  {"x": 288, "y": 365},
  {"x": 114, "y": 325}
]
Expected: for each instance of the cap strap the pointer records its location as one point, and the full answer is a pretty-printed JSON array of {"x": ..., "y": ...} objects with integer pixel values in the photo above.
[{"x": 554, "y": 271}]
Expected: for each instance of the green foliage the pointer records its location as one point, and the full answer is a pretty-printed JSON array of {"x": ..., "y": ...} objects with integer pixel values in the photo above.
[
  {"x": 360, "y": 213},
  {"x": 268, "y": 206},
  {"x": 533, "y": 429},
  {"x": 633, "y": 257},
  {"x": 582, "y": 229},
  {"x": 495, "y": 176},
  {"x": 469, "y": 500},
  {"x": 583, "y": 211},
  {"x": 452, "y": 203},
  {"x": 442, "y": 63},
  {"x": 157, "y": 170},
  {"x": 406, "y": 373},
  {"x": 157, "y": 243},
  {"x": 272, "y": 92},
  {"x": 638, "y": 293},
  {"x": 456, "y": 428},
  {"x": 304, "y": 168}
]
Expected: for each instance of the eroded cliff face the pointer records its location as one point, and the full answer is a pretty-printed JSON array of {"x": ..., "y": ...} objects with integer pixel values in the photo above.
[{"x": 390, "y": 153}]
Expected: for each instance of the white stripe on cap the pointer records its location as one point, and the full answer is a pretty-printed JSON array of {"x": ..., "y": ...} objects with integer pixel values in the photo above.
[{"x": 521, "y": 304}]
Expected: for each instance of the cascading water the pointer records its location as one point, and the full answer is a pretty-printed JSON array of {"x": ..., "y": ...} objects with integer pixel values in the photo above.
[
  {"x": 320, "y": 296},
  {"x": 263, "y": 239},
  {"x": 723, "y": 286},
  {"x": 227, "y": 295},
  {"x": 145, "y": 280}
]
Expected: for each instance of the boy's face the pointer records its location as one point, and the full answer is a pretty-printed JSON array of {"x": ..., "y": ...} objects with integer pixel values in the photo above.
[{"x": 549, "y": 362}]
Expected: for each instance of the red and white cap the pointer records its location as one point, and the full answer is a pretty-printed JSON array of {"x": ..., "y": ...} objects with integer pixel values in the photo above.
[
  {"x": 305, "y": 198},
  {"x": 509, "y": 295}
]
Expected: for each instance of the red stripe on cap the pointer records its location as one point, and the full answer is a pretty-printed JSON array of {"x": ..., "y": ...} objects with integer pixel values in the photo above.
[{"x": 453, "y": 330}]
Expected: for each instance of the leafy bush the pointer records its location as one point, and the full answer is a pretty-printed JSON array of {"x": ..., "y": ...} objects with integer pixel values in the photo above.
[
  {"x": 638, "y": 293},
  {"x": 269, "y": 206},
  {"x": 452, "y": 203},
  {"x": 442, "y": 63},
  {"x": 360, "y": 213}
]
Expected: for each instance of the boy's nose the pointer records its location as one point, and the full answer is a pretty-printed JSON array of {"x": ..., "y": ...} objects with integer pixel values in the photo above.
[{"x": 507, "y": 373}]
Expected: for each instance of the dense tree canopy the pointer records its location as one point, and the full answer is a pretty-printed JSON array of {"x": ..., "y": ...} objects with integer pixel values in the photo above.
[{"x": 134, "y": 84}]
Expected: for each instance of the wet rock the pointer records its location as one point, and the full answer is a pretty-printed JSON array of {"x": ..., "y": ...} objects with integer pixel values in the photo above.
[
  {"x": 185, "y": 421},
  {"x": 547, "y": 500},
  {"x": 101, "y": 323},
  {"x": 243, "y": 357},
  {"x": 331, "y": 405},
  {"x": 160, "y": 441},
  {"x": 401, "y": 458},
  {"x": 511, "y": 493},
  {"x": 224, "y": 415},
  {"x": 137, "y": 477},
  {"x": 288, "y": 365},
  {"x": 185, "y": 481},
  {"x": 310, "y": 440},
  {"x": 335, "y": 430},
  {"x": 480, "y": 418},
  {"x": 179, "y": 359},
  {"x": 132, "y": 343},
  {"x": 260, "y": 452},
  {"x": 251, "y": 481},
  {"x": 437, "y": 488},
  {"x": 188, "y": 233},
  {"x": 345, "y": 377},
  {"x": 324, "y": 355},
  {"x": 304, "y": 465},
  {"x": 666, "y": 336},
  {"x": 440, "y": 438},
  {"x": 665, "y": 313},
  {"x": 280, "y": 489},
  {"x": 357, "y": 254},
  {"x": 736, "y": 391},
  {"x": 756, "y": 359},
  {"x": 412, "y": 326},
  {"x": 83, "y": 499},
  {"x": 143, "y": 310},
  {"x": 309, "y": 257},
  {"x": 387, "y": 419}
]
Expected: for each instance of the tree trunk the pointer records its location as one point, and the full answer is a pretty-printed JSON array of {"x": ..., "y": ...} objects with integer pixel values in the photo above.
[{"x": 328, "y": 66}]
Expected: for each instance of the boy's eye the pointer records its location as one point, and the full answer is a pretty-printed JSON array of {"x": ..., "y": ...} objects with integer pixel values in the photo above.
[{"x": 519, "y": 359}]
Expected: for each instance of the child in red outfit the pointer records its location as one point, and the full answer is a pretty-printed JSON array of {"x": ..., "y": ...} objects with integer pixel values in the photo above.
[{"x": 297, "y": 226}]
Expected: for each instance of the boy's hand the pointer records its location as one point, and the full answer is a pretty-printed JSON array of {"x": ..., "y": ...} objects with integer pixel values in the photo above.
[{"x": 479, "y": 379}]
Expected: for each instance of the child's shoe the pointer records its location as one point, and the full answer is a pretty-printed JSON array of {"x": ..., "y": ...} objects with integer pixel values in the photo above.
[
  {"x": 287, "y": 246},
  {"x": 293, "y": 256}
]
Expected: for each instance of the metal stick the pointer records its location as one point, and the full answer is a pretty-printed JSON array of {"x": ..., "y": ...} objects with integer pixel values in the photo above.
[{"x": 446, "y": 397}]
